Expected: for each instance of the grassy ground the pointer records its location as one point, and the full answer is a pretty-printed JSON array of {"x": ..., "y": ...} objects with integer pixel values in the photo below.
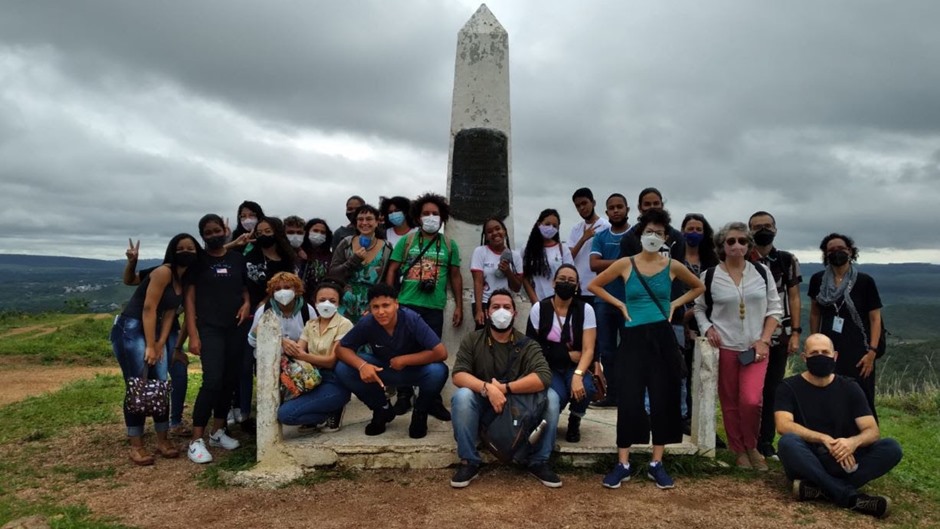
[{"x": 61, "y": 338}]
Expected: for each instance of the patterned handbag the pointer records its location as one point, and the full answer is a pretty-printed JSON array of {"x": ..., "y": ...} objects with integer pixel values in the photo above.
[
  {"x": 297, "y": 377},
  {"x": 147, "y": 396}
]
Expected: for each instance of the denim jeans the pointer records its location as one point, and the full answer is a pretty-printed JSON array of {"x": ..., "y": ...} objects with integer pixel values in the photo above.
[
  {"x": 802, "y": 460},
  {"x": 561, "y": 386},
  {"x": 609, "y": 323},
  {"x": 429, "y": 378},
  {"x": 316, "y": 405},
  {"x": 129, "y": 346},
  {"x": 179, "y": 379},
  {"x": 468, "y": 406}
]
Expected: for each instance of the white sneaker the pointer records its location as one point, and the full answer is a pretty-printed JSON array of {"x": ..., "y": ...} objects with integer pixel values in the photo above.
[
  {"x": 234, "y": 416},
  {"x": 220, "y": 439},
  {"x": 198, "y": 453}
]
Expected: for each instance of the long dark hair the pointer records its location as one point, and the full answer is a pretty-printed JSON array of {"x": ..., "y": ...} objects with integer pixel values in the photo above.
[
  {"x": 254, "y": 207},
  {"x": 534, "y": 262},
  {"x": 501, "y": 223},
  {"x": 706, "y": 249},
  {"x": 324, "y": 249},
  {"x": 284, "y": 250},
  {"x": 169, "y": 257},
  {"x": 401, "y": 204}
]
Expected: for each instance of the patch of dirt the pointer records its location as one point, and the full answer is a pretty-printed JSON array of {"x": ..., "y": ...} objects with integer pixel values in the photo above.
[
  {"x": 168, "y": 494},
  {"x": 18, "y": 381},
  {"x": 42, "y": 330}
]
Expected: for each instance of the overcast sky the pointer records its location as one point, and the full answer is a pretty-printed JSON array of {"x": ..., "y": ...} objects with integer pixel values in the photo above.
[{"x": 132, "y": 119}]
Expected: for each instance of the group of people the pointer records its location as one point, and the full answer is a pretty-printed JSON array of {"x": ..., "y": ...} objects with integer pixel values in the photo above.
[{"x": 364, "y": 305}]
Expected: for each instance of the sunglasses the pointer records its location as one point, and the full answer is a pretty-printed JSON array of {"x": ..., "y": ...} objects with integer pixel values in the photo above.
[{"x": 739, "y": 240}]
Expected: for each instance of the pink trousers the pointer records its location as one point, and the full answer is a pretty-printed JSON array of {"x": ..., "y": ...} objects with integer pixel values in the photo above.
[{"x": 740, "y": 391}]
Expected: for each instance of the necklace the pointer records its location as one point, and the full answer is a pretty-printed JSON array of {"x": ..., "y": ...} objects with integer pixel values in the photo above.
[{"x": 742, "y": 310}]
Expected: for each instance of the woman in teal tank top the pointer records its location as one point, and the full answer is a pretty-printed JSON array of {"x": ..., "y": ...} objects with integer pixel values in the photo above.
[{"x": 648, "y": 349}]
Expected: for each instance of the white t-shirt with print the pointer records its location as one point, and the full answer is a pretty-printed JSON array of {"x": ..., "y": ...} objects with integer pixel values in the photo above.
[{"x": 485, "y": 260}]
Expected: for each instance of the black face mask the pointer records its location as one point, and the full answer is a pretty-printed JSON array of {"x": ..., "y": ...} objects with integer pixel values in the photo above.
[
  {"x": 565, "y": 291},
  {"x": 821, "y": 365},
  {"x": 185, "y": 258},
  {"x": 838, "y": 258},
  {"x": 352, "y": 217},
  {"x": 266, "y": 241},
  {"x": 214, "y": 243},
  {"x": 764, "y": 237}
]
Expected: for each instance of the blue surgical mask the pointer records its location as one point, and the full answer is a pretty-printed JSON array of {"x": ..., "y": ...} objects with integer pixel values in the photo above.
[
  {"x": 364, "y": 241},
  {"x": 397, "y": 218}
]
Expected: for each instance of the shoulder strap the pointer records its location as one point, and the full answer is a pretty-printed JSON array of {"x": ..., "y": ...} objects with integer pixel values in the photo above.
[
  {"x": 304, "y": 312},
  {"x": 411, "y": 262},
  {"x": 762, "y": 272},
  {"x": 649, "y": 291},
  {"x": 546, "y": 318}
]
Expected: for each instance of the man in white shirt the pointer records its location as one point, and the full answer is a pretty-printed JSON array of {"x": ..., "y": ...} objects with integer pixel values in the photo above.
[{"x": 582, "y": 234}]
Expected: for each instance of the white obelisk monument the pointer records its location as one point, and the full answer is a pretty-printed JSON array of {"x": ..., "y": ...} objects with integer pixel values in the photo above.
[{"x": 479, "y": 183}]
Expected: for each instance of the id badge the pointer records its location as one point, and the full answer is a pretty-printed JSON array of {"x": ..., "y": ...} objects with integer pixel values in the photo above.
[{"x": 837, "y": 324}]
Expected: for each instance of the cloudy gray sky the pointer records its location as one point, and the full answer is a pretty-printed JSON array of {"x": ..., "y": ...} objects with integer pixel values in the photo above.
[{"x": 132, "y": 119}]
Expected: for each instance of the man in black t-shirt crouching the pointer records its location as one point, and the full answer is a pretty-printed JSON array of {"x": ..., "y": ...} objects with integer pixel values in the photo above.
[{"x": 830, "y": 444}]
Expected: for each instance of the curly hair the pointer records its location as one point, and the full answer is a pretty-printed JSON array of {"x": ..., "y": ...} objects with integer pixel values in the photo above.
[
  {"x": 853, "y": 250},
  {"x": 401, "y": 204},
  {"x": 653, "y": 216},
  {"x": 277, "y": 282},
  {"x": 418, "y": 204},
  {"x": 723, "y": 234}
]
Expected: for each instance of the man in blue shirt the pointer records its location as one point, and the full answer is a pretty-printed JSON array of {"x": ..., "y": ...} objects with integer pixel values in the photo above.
[
  {"x": 404, "y": 352},
  {"x": 605, "y": 249}
]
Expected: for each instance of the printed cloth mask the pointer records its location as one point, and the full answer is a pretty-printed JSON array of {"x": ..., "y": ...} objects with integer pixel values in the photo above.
[
  {"x": 295, "y": 239},
  {"x": 548, "y": 231},
  {"x": 693, "y": 238},
  {"x": 821, "y": 365},
  {"x": 501, "y": 319},
  {"x": 284, "y": 296},
  {"x": 651, "y": 242},
  {"x": 325, "y": 309},
  {"x": 431, "y": 223},
  {"x": 249, "y": 223},
  {"x": 317, "y": 238},
  {"x": 397, "y": 218}
]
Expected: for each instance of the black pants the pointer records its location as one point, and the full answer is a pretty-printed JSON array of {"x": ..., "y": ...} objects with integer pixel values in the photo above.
[
  {"x": 776, "y": 368},
  {"x": 222, "y": 350},
  {"x": 648, "y": 363}
]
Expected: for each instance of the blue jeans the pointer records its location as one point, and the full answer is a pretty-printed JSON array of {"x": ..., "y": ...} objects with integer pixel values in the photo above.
[
  {"x": 609, "y": 323},
  {"x": 429, "y": 378},
  {"x": 179, "y": 379},
  {"x": 561, "y": 386},
  {"x": 466, "y": 408},
  {"x": 129, "y": 346},
  {"x": 802, "y": 460},
  {"x": 315, "y": 406}
]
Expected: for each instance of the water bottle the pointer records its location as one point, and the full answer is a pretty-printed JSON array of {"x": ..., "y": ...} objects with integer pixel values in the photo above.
[{"x": 537, "y": 432}]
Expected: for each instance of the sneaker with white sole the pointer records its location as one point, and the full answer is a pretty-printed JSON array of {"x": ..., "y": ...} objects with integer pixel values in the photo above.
[
  {"x": 198, "y": 453},
  {"x": 334, "y": 422},
  {"x": 222, "y": 440}
]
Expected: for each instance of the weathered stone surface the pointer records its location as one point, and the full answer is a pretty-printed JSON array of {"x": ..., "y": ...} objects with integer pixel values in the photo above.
[{"x": 704, "y": 396}]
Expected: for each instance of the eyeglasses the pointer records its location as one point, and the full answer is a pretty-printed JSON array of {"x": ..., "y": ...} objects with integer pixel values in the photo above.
[
  {"x": 731, "y": 241},
  {"x": 660, "y": 233}
]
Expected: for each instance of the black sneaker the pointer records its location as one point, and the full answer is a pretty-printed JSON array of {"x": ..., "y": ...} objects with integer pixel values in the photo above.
[
  {"x": 544, "y": 474},
  {"x": 419, "y": 425},
  {"x": 573, "y": 435},
  {"x": 767, "y": 450},
  {"x": 334, "y": 422},
  {"x": 466, "y": 473},
  {"x": 606, "y": 402},
  {"x": 719, "y": 442},
  {"x": 804, "y": 490},
  {"x": 404, "y": 402},
  {"x": 877, "y": 506},
  {"x": 438, "y": 411},
  {"x": 380, "y": 418}
]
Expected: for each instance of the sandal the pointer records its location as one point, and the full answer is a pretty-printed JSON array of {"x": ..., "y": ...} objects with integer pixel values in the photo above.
[
  {"x": 743, "y": 461},
  {"x": 168, "y": 450},
  {"x": 139, "y": 456}
]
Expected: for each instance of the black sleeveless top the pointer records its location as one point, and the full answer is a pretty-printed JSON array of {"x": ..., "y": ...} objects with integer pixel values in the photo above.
[{"x": 169, "y": 300}]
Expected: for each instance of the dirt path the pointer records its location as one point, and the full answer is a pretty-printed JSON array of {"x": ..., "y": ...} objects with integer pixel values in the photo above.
[
  {"x": 21, "y": 381},
  {"x": 42, "y": 330}
]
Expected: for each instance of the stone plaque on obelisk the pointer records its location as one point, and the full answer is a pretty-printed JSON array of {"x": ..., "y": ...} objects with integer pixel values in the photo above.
[{"x": 479, "y": 175}]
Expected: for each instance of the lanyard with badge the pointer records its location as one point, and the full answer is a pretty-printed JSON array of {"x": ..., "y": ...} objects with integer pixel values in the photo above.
[{"x": 838, "y": 321}]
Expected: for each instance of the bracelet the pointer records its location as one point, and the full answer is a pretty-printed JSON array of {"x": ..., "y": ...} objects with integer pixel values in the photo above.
[
  {"x": 797, "y": 330},
  {"x": 364, "y": 364},
  {"x": 508, "y": 389}
]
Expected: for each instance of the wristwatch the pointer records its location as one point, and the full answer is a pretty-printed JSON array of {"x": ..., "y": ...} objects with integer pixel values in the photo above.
[
  {"x": 579, "y": 372},
  {"x": 797, "y": 330}
]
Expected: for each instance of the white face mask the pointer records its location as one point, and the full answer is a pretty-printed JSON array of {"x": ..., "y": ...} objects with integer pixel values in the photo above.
[
  {"x": 317, "y": 238},
  {"x": 431, "y": 223},
  {"x": 249, "y": 223},
  {"x": 326, "y": 309},
  {"x": 284, "y": 296},
  {"x": 548, "y": 231},
  {"x": 295, "y": 239},
  {"x": 651, "y": 242},
  {"x": 501, "y": 319}
]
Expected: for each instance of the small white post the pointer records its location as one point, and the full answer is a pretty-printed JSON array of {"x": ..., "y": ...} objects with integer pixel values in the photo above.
[
  {"x": 268, "y": 359},
  {"x": 704, "y": 394}
]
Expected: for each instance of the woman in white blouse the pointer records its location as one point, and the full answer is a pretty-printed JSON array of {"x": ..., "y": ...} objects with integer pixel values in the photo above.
[{"x": 738, "y": 314}]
